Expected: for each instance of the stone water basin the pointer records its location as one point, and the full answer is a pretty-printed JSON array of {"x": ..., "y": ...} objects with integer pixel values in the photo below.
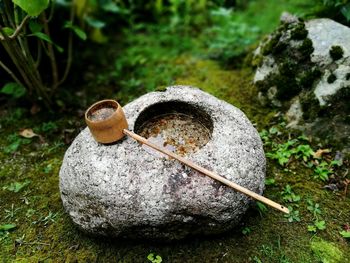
[{"x": 124, "y": 190}]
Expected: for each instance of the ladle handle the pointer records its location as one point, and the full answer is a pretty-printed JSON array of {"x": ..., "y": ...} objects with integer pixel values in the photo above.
[{"x": 208, "y": 173}]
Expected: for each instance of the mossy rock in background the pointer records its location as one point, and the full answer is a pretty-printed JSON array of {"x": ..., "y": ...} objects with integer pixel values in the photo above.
[{"x": 301, "y": 68}]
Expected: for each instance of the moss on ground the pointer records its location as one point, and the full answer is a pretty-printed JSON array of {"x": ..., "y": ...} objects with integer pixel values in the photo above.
[{"x": 45, "y": 233}]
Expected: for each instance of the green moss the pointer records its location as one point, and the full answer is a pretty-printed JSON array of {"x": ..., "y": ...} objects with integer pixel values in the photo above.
[
  {"x": 326, "y": 252},
  {"x": 161, "y": 88},
  {"x": 306, "y": 48},
  {"x": 269, "y": 45},
  {"x": 257, "y": 60},
  {"x": 307, "y": 78},
  {"x": 310, "y": 106},
  {"x": 299, "y": 32},
  {"x": 347, "y": 76},
  {"x": 331, "y": 78},
  {"x": 336, "y": 52}
]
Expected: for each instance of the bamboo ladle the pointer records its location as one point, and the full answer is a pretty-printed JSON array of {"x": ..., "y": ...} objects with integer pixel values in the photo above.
[{"x": 108, "y": 128}]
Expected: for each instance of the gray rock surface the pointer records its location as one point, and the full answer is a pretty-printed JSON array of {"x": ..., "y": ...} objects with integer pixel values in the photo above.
[
  {"x": 121, "y": 190},
  {"x": 299, "y": 71}
]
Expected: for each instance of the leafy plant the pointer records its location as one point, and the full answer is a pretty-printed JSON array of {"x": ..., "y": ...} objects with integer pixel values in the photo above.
[
  {"x": 7, "y": 227},
  {"x": 11, "y": 213},
  {"x": 323, "y": 170},
  {"x": 228, "y": 38},
  {"x": 342, "y": 5},
  {"x": 154, "y": 258},
  {"x": 26, "y": 38},
  {"x": 270, "y": 181},
  {"x": 293, "y": 215},
  {"x": 288, "y": 194},
  {"x": 345, "y": 234},
  {"x": 16, "y": 186},
  {"x": 282, "y": 152},
  {"x": 14, "y": 143},
  {"x": 246, "y": 230},
  {"x": 317, "y": 225},
  {"x": 314, "y": 208},
  {"x": 261, "y": 208}
]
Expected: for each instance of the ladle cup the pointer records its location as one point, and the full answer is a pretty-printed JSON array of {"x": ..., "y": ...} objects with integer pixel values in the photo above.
[{"x": 107, "y": 124}]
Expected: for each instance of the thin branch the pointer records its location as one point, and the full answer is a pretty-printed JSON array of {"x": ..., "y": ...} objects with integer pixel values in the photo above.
[
  {"x": 39, "y": 53},
  {"x": 10, "y": 72},
  {"x": 52, "y": 56},
  {"x": 70, "y": 48},
  {"x": 18, "y": 29}
]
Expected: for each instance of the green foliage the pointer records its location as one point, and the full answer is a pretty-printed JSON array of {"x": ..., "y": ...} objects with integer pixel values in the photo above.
[
  {"x": 261, "y": 208},
  {"x": 282, "y": 152},
  {"x": 345, "y": 234},
  {"x": 15, "y": 142},
  {"x": 270, "y": 181},
  {"x": 228, "y": 38},
  {"x": 246, "y": 230},
  {"x": 13, "y": 89},
  {"x": 154, "y": 258},
  {"x": 293, "y": 215},
  {"x": 46, "y": 38},
  {"x": 48, "y": 127},
  {"x": 342, "y": 5},
  {"x": 317, "y": 225},
  {"x": 323, "y": 170},
  {"x": 314, "y": 208},
  {"x": 76, "y": 29},
  {"x": 288, "y": 195},
  {"x": 32, "y": 7},
  {"x": 16, "y": 186},
  {"x": 7, "y": 227}
]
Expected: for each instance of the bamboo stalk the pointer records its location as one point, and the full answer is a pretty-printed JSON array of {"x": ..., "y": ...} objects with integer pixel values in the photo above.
[{"x": 209, "y": 173}]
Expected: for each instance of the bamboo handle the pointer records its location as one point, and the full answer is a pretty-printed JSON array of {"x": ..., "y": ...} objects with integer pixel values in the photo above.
[{"x": 208, "y": 173}]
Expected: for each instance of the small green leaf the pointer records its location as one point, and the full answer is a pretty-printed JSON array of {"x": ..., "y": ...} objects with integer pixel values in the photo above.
[
  {"x": 77, "y": 30},
  {"x": 311, "y": 228},
  {"x": 270, "y": 181},
  {"x": 321, "y": 225},
  {"x": 345, "y": 10},
  {"x": 35, "y": 26},
  {"x": 7, "y": 227},
  {"x": 8, "y": 31},
  {"x": 16, "y": 186},
  {"x": 13, "y": 89},
  {"x": 95, "y": 23},
  {"x": 32, "y": 7},
  {"x": 345, "y": 234},
  {"x": 46, "y": 38}
]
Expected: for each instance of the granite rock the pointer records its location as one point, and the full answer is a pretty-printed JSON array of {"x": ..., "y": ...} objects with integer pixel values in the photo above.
[{"x": 120, "y": 190}]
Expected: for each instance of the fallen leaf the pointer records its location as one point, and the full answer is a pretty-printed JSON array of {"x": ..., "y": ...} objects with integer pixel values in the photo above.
[
  {"x": 27, "y": 133},
  {"x": 318, "y": 154}
]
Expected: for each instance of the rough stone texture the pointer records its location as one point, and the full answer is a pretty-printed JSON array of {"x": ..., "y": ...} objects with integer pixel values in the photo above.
[
  {"x": 305, "y": 81},
  {"x": 324, "y": 34},
  {"x": 121, "y": 190}
]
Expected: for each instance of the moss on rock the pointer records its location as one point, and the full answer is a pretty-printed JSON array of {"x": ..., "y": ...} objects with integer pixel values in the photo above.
[
  {"x": 299, "y": 32},
  {"x": 336, "y": 52},
  {"x": 331, "y": 78}
]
